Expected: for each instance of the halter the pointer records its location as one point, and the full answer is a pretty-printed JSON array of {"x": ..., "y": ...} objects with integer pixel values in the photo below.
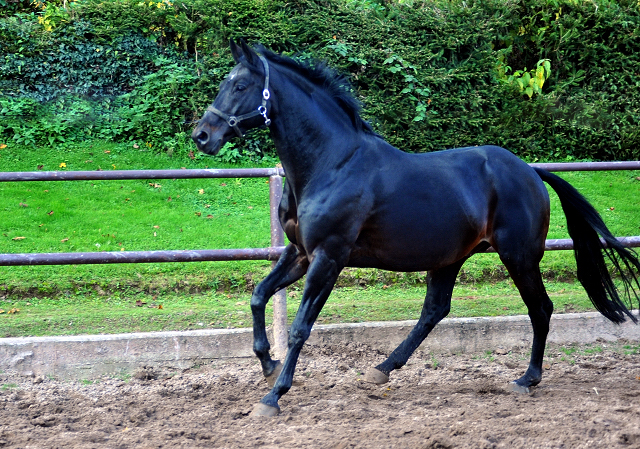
[{"x": 234, "y": 121}]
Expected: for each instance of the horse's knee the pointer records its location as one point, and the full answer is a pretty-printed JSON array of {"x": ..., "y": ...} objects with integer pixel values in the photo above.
[
  {"x": 297, "y": 336},
  {"x": 442, "y": 312},
  {"x": 547, "y": 306},
  {"x": 258, "y": 300}
]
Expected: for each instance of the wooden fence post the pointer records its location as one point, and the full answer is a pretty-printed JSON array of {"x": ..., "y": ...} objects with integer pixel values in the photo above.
[{"x": 280, "y": 331}]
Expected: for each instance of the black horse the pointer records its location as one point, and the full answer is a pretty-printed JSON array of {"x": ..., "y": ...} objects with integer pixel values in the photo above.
[{"x": 352, "y": 200}]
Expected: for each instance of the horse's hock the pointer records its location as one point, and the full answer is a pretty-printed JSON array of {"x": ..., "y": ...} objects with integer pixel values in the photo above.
[{"x": 85, "y": 357}]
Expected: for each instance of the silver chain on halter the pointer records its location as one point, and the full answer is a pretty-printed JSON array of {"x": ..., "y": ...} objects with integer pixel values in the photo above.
[{"x": 234, "y": 121}]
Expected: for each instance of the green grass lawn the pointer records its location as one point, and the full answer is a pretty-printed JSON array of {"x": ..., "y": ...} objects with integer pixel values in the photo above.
[
  {"x": 126, "y": 215},
  {"x": 216, "y": 213},
  {"x": 139, "y": 312}
]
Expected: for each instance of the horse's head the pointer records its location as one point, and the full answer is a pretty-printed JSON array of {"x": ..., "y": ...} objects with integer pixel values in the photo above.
[{"x": 241, "y": 104}]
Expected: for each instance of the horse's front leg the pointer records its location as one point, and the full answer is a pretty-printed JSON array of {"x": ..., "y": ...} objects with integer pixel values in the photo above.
[
  {"x": 291, "y": 266},
  {"x": 322, "y": 275}
]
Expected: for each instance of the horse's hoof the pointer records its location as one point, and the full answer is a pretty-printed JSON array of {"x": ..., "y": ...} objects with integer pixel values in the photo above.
[
  {"x": 260, "y": 410},
  {"x": 517, "y": 388},
  {"x": 375, "y": 376},
  {"x": 271, "y": 379}
]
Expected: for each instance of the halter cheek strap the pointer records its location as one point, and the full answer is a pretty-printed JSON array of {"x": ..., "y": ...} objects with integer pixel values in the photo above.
[{"x": 234, "y": 121}]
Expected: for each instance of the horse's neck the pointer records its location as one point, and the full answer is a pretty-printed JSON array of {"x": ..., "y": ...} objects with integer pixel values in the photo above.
[{"x": 311, "y": 135}]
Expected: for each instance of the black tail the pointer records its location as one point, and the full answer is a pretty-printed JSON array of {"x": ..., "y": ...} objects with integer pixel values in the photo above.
[{"x": 584, "y": 225}]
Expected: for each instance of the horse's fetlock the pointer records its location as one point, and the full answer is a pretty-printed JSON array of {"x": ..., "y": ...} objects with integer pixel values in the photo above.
[{"x": 261, "y": 350}]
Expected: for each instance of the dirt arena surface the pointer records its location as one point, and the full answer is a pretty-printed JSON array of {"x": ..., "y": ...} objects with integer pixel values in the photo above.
[{"x": 589, "y": 398}]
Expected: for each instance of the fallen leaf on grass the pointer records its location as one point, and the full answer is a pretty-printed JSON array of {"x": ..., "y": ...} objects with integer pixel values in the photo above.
[
  {"x": 155, "y": 185},
  {"x": 24, "y": 205},
  {"x": 107, "y": 152},
  {"x": 18, "y": 238},
  {"x": 201, "y": 191},
  {"x": 3, "y": 146},
  {"x": 209, "y": 216},
  {"x": 9, "y": 312},
  {"x": 50, "y": 213},
  {"x": 156, "y": 226},
  {"x": 64, "y": 240},
  {"x": 198, "y": 213},
  {"x": 156, "y": 306},
  {"x": 140, "y": 303},
  {"x": 191, "y": 155},
  {"x": 63, "y": 165},
  {"x": 40, "y": 167}
]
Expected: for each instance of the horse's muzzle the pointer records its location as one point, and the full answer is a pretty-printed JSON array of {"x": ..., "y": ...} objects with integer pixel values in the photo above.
[{"x": 205, "y": 141}]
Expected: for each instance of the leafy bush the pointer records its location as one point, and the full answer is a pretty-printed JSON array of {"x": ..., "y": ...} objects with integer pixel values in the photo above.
[{"x": 546, "y": 79}]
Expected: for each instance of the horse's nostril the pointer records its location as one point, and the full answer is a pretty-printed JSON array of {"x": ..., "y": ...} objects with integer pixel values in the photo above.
[{"x": 202, "y": 137}]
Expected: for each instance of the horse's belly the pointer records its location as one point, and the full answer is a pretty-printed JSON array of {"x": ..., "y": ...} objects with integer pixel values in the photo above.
[{"x": 414, "y": 253}]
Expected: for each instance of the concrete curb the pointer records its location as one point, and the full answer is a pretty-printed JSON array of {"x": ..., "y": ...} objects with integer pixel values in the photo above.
[{"x": 88, "y": 356}]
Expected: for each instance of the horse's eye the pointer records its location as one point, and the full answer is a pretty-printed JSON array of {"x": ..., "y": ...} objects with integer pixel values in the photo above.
[{"x": 240, "y": 87}]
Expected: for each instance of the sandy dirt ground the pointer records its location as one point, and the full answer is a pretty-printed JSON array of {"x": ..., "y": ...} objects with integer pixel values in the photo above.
[{"x": 589, "y": 398}]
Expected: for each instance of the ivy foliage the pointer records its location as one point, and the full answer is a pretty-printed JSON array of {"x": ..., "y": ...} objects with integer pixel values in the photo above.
[{"x": 548, "y": 79}]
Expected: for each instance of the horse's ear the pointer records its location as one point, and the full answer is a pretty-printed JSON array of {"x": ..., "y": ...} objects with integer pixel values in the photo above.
[
  {"x": 235, "y": 51},
  {"x": 242, "y": 52},
  {"x": 248, "y": 52}
]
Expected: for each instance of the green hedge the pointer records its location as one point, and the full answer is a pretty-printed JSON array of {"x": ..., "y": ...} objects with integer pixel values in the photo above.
[{"x": 431, "y": 75}]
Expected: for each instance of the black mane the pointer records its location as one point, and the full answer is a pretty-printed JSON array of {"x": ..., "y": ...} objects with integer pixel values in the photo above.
[{"x": 336, "y": 84}]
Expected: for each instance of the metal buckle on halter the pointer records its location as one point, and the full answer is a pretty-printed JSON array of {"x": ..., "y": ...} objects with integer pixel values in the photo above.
[
  {"x": 263, "y": 112},
  {"x": 266, "y": 94},
  {"x": 233, "y": 121}
]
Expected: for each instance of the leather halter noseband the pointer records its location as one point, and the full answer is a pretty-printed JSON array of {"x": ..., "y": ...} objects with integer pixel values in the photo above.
[{"x": 234, "y": 121}]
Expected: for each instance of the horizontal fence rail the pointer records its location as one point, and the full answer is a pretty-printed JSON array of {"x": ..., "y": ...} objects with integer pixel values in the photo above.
[
  {"x": 117, "y": 175},
  {"x": 588, "y": 166},
  {"x": 120, "y": 175},
  {"x": 271, "y": 253},
  {"x": 204, "y": 255},
  {"x": 107, "y": 257}
]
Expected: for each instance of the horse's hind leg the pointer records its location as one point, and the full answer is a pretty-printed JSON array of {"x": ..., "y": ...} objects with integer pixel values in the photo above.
[
  {"x": 436, "y": 306},
  {"x": 291, "y": 266},
  {"x": 528, "y": 280}
]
